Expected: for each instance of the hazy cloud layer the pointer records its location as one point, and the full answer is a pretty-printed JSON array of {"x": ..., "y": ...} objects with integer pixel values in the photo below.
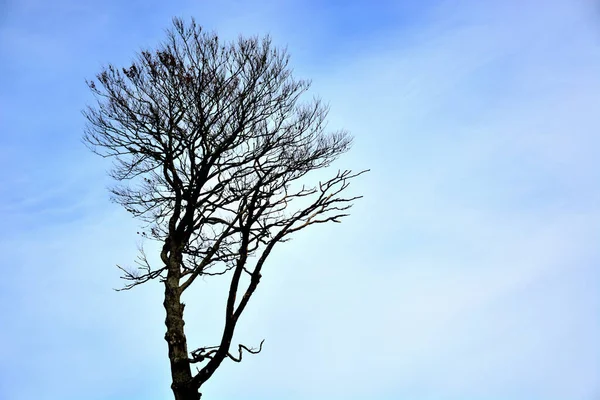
[{"x": 469, "y": 271}]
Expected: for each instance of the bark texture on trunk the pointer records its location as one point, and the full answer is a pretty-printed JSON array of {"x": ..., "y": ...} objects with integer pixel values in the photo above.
[{"x": 181, "y": 373}]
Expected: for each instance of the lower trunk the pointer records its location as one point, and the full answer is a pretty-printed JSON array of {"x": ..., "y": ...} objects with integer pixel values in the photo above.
[
  {"x": 186, "y": 394},
  {"x": 178, "y": 354}
]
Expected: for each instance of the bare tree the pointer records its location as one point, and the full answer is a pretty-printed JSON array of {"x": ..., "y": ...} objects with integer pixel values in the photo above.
[{"x": 210, "y": 141}]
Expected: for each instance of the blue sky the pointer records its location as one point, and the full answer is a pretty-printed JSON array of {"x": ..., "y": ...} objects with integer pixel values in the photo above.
[{"x": 469, "y": 271}]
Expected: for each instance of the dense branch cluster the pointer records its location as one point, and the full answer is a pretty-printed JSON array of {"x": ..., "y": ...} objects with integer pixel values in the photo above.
[{"x": 210, "y": 141}]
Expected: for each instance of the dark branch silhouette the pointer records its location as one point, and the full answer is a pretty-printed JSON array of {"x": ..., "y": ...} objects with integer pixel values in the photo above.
[{"x": 211, "y": 144}]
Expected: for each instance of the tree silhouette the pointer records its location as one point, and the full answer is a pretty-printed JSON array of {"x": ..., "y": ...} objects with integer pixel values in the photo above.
[{"x": 211, "y": 143}]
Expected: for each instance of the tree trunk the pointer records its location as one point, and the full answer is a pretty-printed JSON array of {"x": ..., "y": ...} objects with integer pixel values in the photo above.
[{"x": 178, "y": 354}]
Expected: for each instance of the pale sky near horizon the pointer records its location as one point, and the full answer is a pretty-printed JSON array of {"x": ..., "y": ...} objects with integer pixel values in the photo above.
[{"x": 469, "y": 271}]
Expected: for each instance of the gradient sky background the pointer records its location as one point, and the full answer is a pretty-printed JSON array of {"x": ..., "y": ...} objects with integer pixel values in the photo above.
[{"x": 470, "y": 270}]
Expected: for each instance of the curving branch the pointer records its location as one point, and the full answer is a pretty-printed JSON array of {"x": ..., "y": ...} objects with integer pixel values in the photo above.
[{"x": 207, "y": 353}]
